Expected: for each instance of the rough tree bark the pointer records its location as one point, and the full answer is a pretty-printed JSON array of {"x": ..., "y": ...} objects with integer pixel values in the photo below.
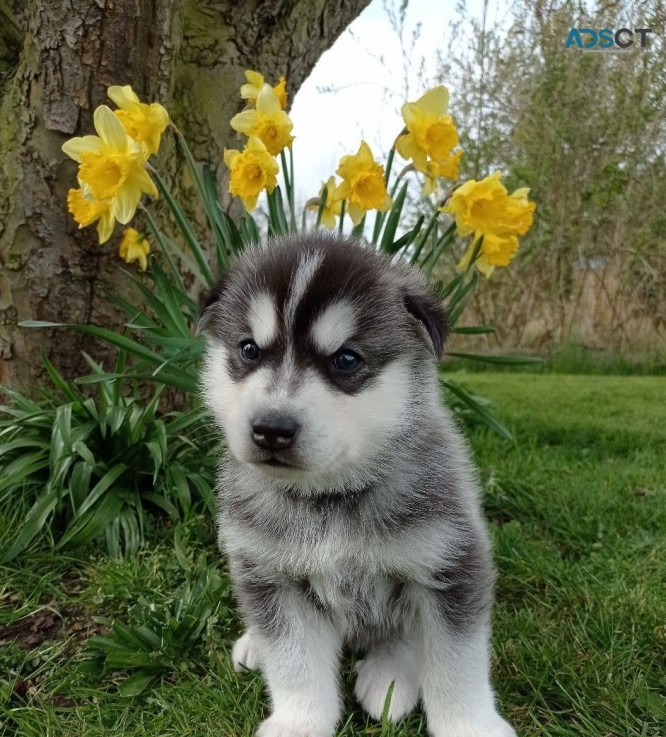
[{"x": 189, "y": 55}]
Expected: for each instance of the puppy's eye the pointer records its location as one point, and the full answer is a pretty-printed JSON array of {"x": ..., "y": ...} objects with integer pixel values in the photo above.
[
  {"x": 250, "y": 351},
  {"x": 346, "y": 361}
]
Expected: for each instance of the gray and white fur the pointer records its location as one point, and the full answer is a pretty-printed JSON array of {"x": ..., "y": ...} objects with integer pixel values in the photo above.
[{"x": 349, "y": 506}]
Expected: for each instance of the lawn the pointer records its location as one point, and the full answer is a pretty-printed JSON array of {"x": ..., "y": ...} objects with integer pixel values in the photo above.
[{"x": 577, "y": 508}]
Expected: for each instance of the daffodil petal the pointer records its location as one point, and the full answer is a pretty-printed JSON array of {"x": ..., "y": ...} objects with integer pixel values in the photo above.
[
  {"x": 244, "y": 122},
  {"x": 484, "y": 266},
  {"x": 110, "y": 129},
  {"x": 463, "y": 264},
  {"x": 268, "y": 102},
  {"x": 142, "y": 180},
  {"x": 342, "y": 191},
  {"x": 410, "y": 114},
  {"x": 254, "y": 78},
  {"x": 124, "y": 97},
  {"x": 355, "y": 213},
  {"x": 434, "y": 102},
  {"x": 84, "y": 144},
  {"x": 125, "y": 203},
  {"x": 105, "y": 227},
  {"x": 230, "y": 156}
]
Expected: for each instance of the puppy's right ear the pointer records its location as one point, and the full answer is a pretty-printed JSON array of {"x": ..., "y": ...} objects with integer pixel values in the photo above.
[{"x": 207, "y": 304}]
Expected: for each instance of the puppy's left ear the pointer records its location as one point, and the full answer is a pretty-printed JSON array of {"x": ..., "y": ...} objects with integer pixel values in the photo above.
[
  {"x": 207, "y": 304},
  {"x": 430, "y": 315}
]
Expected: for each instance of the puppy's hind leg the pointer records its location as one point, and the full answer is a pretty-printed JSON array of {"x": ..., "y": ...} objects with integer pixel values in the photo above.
[{"x": 395, "y": 663}]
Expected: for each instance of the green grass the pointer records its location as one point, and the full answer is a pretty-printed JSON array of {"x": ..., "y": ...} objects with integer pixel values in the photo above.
[
  {"x": 577, "y": 509},
  {"x": 576, "y": 358}
]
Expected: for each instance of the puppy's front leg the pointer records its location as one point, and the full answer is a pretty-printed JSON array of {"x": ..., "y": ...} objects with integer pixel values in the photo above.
[
  {"x": 300, "y": 652},
  {"x": 454, "y": 639}
]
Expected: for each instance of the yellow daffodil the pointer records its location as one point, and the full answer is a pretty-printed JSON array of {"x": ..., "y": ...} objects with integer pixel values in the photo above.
[
  {"x": 134, "y": 247},
  {"x": 86, "y": 210},
  {"x": 144, "y": 123},
  {"x": 112, "y": 165},
  {"x": 495, "y": 251},
  {"x": 436, "y": 169},
  {"x": 486, "y": 207},
  {"x": 280, "y": 90},
  {"x": 362, "y": 184},
  {"x": 255, "y": 82},
  {"x": 431, "y": 132},
  {"x": 251, "y": 171},
  {"x": 268, "y": 122},
  {"x": 518, "y": 213},
  {"x": 332, "y": 207}
]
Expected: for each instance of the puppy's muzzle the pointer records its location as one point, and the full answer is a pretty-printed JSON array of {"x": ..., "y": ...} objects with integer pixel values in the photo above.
[{"x": 274, "y": 432}]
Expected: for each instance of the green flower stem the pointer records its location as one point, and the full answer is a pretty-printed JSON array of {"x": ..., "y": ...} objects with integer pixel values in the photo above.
[
  {"x": 438, "y": 249},
  {"x": 285, "y": 171},
  {"x": 189, "y": 159},
  {"x": 185, "y": 227},
  {"x": 323, "y": 199},
  {"x": 424, "y": 237},
  {"x": 389, "y": 165},
  {"x": 164, "y": 246},
  {"x": 381, "y": 216},
  {"x": 292, "y": 190},
  {"x": 288, "y": 173},
  {"x": 357, "y": 230},
  {"x": 342, "y": 216}
]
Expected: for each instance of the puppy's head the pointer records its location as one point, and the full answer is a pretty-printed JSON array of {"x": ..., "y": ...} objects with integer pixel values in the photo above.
[{"x": 319, "y": 354}]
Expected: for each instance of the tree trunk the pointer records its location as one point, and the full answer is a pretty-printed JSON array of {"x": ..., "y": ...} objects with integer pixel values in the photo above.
[{"x": 190, "y": 56}]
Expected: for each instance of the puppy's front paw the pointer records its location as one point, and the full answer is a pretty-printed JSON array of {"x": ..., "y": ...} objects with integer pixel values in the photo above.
[
  {"x": 493, "y": 727},
  {"x": 245, "y": 653},
  {"x": 279, "y": 727},
  {"x": 375, "y": 675}
]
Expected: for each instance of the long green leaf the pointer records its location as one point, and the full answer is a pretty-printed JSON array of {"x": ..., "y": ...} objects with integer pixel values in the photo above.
[
  {"x": 33, "y": 523},
  {"x": 474, "y": 330},
  {"x": 91, "y": 524},
  {"x": 249, "y": 230},
  {"x": 102, "y": 486},
  {"x": 499, "y": 360},
  {"x": 393, "y": 219},
  {"x": 405, "y": 241},
  {"x": 185, "y": 228},
  {"x": 479, "y": 410}
]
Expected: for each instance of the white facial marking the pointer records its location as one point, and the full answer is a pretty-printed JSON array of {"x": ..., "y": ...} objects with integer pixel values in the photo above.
[
  {"x": 335, "y": 325},
  {"x": 307, "y": 266},
  {"x": 263, "y": 319}
]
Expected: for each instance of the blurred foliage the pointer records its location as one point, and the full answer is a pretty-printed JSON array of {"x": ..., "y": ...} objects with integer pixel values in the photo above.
[{"x": 587, "y": 133}]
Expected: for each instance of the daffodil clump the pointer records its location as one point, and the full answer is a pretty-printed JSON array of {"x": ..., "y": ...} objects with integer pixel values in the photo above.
[
  {"x": 430, "y": 138},
  {"x": 268, "y": 128},
  {"x": 487, "y": 211},
  {"x": 112, "y": 173},
  {"x": 431, "y": 147}
]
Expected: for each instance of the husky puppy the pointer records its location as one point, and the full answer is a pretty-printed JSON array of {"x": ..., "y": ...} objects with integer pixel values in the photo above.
[{"x": 349, "y": 506}]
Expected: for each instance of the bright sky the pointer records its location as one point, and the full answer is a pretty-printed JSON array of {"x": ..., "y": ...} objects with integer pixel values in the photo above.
[{"x": 370, "y": 92}]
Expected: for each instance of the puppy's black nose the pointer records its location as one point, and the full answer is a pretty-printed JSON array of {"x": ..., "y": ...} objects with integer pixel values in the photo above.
[{"x": 274, "y": 432}]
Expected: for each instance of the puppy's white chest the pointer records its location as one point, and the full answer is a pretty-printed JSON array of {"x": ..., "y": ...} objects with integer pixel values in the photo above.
[{"x": 356, "y": 600}]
